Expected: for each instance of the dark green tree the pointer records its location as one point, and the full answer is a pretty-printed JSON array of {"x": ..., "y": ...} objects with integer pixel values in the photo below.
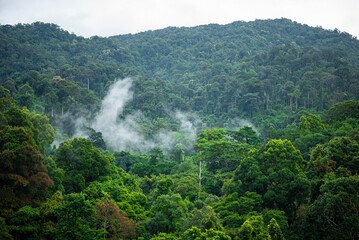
[
  {"x": 96, "y": 139},
  {"x": 169, "y": 214},
  {"x": 245, "y": 134},
  {"x": 4, "y": 230},
  {"x": 339, "y": 155},
  {"x": 24, "y": 178},
  {"x": 334, "y": 214},
  {"x": 203, "y": 219},
  {"x": 76, "y": 218},
  {"x": 274, "y": 230},
  {"x": 26, "y": 223},
  {"x": 343, "y": 110},
  {"x": 82, "y": 163},
  {"x": 254, "y": 228}
]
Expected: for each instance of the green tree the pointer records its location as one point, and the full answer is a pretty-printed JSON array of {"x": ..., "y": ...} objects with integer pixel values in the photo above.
[
  {"x": 246, "y": 230},
  {"x": 247, "y": 177},
  {"x": 169, "y": 214},
  {"x": 114, "y": 223},
  {"x": 24, "y": 177},
  {"x": 343, "y": 110},
  {"x": 51, "y": 102},
  {"x": 283, "y": 164},
  {"x": 211, "y": 135},
  {"x": 126, "y": 160},
  {"x": 49, "y": 216},
  {"x": 65, "y": 89},
  {"x": 82, "y": 163},
  {"x": 44, "y": 134},
  {"x": 307, "y": 141},
  {"x": 245, "y": 134},
  {"x": 25, "y": 96},
  {"x": 55, "y": 173},
  {"x": 76, "y": 218},
  {"x": 274, "y": 230},
  {"x": 218, "y": 152},
  {"x": 166, "y": 236},
  {"x": 279, "y": 216},
  {"x": 26, "y": 223},
  {"x": 155, "y": 164},
  {"x": 96, "y": 139},
  {"x": 224, "y": 155},
  {"x": 196, "y": 234},
  {"x": 203, "y": 219},
  {"x": 178, "y": 154},
  {"x": 164, "y": 186},
  {"x": 311, "y": 122},
  {"x": 254, "y": 228},
  {"x": 4, "y": 230},
  {"x": 186, "y": 185},
  {"x": 334, "y": 214},
  {"x": 276, "y": 173},
  {"x": 339, "y": 155},
  {"x": 234, "y": 209},
  {"x": 124, "y": 190}
]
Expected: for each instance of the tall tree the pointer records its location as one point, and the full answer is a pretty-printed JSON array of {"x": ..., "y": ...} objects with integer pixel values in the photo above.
[
  {"x": 82, "y": 163},
  {"x": 114, "y": 223},
  {"x": 24, "y": 178},
  {"x": 334, "y": 214},
  {"x": 76, "y": 218}
]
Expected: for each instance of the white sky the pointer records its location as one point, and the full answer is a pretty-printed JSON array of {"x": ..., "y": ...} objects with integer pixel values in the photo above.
[{"x": 114, "y": 17}]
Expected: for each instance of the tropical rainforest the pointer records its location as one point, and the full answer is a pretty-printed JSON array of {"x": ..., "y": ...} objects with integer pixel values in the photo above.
[{"x": 248, "y": 130}]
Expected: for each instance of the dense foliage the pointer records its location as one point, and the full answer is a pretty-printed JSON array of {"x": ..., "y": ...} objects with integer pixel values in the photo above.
[{"x": 294, "y": 176}]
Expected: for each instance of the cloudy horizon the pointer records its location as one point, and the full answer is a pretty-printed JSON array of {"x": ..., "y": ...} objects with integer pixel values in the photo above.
[{"x": 115, "y": 17}]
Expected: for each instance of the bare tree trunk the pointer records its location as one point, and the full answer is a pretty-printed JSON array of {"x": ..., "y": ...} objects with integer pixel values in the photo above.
[
  {"x": 266, "y": 100},
  {"x": 312, "y": 102},
  {"x": 62, "y": 109},
  {"x": 104, "y": 229},
  {"x": 296, "y": 102},
  {"x": 200, "y": 169}
]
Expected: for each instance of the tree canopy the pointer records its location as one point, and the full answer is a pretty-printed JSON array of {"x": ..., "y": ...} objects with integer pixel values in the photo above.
[{"x": 248, "y": 130}]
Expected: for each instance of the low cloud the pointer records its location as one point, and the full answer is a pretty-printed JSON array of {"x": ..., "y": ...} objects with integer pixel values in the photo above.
[
  {"x": 128, "y": 133},
  {"x": 237, "y": 123}
]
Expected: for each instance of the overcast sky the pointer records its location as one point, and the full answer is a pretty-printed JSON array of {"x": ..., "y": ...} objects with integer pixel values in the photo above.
[{"x": 113, "y": 17}]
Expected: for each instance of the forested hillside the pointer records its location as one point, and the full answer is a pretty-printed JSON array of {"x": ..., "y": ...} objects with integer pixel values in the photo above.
[{"x": 248, "y": 130}]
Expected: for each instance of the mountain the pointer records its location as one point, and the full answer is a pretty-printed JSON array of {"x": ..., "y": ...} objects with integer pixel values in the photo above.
[
  {"x": 232, "y": 42},
  {"x": 171, "y": 150},
  {"x": 267, "y": 71}
]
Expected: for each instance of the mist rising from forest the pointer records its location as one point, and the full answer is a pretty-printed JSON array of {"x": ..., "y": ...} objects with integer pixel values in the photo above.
[
  {"x": 237, "y": 123},
  {"x": 126, "y": 133},
  {"x": 119, "y": 134}
]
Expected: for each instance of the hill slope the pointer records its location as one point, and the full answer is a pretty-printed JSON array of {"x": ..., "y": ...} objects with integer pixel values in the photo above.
[{"x": 265, "y": 70}]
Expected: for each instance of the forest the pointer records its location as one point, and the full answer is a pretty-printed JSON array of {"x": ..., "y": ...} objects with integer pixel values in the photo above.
[{"x": 248, "y": 130}]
